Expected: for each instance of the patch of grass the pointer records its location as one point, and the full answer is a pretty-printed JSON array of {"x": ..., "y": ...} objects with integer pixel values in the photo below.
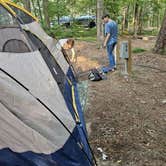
[
  {"x": 152, "y": 32},
  {"x": 75, "y": 31},
  {"x": 138, "y": 50},
  {"x": 88, "y": 39}
]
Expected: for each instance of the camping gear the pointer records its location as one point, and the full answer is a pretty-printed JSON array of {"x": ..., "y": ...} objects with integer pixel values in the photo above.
[
  {"x": 41, "y": 119},
  {"x": 94, "y": 75}
]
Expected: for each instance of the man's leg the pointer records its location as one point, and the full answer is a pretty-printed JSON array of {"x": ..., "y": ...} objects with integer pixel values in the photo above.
[{"x": 111, "y": 57}]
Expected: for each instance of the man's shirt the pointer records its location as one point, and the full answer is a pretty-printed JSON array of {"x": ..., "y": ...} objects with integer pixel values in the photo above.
[{"x": 111, "y": 28}]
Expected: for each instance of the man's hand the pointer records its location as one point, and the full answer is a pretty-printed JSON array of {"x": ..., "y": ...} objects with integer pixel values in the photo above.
[{"x": 106, "y": 40}]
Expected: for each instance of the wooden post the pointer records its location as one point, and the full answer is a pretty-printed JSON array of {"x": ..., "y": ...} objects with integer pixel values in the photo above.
[
  {"x": 117, "y": 53},
  {"x": 129, "y": 61}
]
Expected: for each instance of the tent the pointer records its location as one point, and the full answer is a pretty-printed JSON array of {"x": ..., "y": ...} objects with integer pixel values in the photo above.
[{"x": 41, "y": 119}]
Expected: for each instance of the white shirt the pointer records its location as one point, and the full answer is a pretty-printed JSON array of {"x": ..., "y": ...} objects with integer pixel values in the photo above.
[{"x": 61, "y": 43}]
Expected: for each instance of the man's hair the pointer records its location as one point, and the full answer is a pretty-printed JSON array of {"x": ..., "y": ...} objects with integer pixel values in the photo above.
[
  {"x": 105, "y": 15},
  {"x": 70, "y": 42}
]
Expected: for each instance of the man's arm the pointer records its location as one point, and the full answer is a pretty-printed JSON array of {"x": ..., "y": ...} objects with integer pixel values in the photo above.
[
  {"x": 106, "y": 39},
  {"x": 73, "y": 54}
]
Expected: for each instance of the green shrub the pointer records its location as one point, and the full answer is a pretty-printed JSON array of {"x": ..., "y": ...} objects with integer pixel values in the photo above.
[
  {"x": 74, "y": 31},
  {"x": 138, "y": 50}
]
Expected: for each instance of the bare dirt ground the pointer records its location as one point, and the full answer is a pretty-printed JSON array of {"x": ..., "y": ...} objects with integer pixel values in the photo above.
[{"x": 127, "y": 116}]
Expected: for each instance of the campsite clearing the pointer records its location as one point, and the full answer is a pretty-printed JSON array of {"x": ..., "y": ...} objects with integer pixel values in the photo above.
[{"x": 126, "y": 117}]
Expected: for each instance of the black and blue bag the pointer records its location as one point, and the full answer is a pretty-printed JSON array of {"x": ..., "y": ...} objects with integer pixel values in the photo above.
[{"x": 95, "y": 75}]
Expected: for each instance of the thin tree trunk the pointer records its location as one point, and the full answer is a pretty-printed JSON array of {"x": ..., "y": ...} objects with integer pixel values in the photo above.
[
  {"x": 58, "y": 17},
  {"x": 136, "y": 7},
  {"x": 45, "y": 12},
  {"x": 99, "y": 22},
  {"x": 140, "y": 18},
  {"x": 125, "y": 22},
  {"x": 127, "y": 15},
  {"x": 27, "y": 5},
  {"x": 40, "y": 12},
  {"x": 160, "y": 46},
  {"x": 34, "y": 8},
  {"x": 149, "y": 18},
  {"x": 153, "y": 20}
]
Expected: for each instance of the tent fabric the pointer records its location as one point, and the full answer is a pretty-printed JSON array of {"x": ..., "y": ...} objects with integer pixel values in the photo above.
[
  {"x": 36, "y": 29},
  {"x": 51, "y": 62},
  {"x": 12, "y": 33},
  {"x": 10, "y": 158},
  {"x": 38, "y": 79},
  {"x": 24, "y": 138},
  {"x": 41, "y": 119},
  {"x": 14, "y": 45}
]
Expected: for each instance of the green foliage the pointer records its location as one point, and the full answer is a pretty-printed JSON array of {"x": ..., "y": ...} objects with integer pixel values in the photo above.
[
  {"x": 57, "y": 9},
  {"x": 79, "y": 7},
  {"x": 150, "y": 14},
  {"x": 18, "y": 2},
  {"x": 138, "y": 50},
  {"x": 152, "y": 32},
  {"x": 113, "y": 8},
  {"x": 75, "y": 31}
]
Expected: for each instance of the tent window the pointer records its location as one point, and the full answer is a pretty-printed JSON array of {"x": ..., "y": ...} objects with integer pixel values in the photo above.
[
  {"x": 24, "y": 16},
  {"x": 6, "y": 18},
  {"x": 16, "y": 46}
]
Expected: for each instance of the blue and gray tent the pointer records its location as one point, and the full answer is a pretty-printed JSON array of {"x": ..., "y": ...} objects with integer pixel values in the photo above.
[{"x": 41, "y": 119}]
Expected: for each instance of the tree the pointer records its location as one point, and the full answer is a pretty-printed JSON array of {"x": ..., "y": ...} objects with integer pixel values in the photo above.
[
  {"x": 160, "y": 46},
  {"x": 39, "y": 11},
  {"x": 125, "y": 18},
  {"x": 132, "y": 15},
  {"x": 34, "y": 8},
  {"x": 27, "y": 5},
  {"x": 99, "y": 22},
  {"x": 57, "y": 9},
  {"x": 45, "y": 13}
]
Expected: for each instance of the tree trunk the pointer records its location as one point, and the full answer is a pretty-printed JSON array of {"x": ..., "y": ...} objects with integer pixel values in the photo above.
[
  {"x": 27, "y": 5},
  {"x": 125, "y": 19},
  {"x": 58, "y": 19},
  {"x": 140, "y": 18},
  {"x": 58, "y": 14},
  {"x": 40, "y": 12},
  {"x": 34, "y": 8},
  {"x": 45, "y": 12},
  {"x": 99, "y": 22},
  {"x": 136, "y": 8},
  {"x": 160, "y": 46}
]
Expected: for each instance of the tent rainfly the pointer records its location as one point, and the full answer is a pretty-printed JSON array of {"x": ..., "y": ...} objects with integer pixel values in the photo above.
[{"x": 41, "y": 119}]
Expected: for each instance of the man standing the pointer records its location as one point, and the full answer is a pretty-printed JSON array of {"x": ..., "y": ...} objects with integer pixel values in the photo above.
[{"x": 111, "y": 36}]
